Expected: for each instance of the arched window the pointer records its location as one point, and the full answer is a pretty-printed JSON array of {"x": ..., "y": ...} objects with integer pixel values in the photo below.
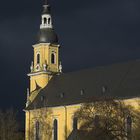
[
  {"x": 37, "y": 131},
  {"x": 96, "y": 121},
  {"x": 53, "y": 58},
  {"x": 75, "y": 123},
  {"x": 55, "y": 126},
  {"x": 49, "y": 21},
  {"x": 129, "y": 126},
  {"x": 38, "y": 58},
  {"x": 45, "y": 20}
]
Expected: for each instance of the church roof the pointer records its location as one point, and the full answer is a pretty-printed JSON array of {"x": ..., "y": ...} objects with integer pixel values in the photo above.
[
  {"x": 117, "y": 81},
  {"x": 78, "y": 135}
]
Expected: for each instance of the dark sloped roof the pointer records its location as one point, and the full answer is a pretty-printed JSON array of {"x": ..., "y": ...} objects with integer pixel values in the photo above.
[
  {"x": 115, "y": 81},
  {"x": 77, "y": 135}
]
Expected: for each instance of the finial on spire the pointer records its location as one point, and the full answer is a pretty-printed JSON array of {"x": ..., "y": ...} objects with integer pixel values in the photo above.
[
  {"x": 60, "y": 67},
  {"x": 28, "y": 93},
  {"x": 46, "y": 2},
  {"x": 28, "y": 97}
]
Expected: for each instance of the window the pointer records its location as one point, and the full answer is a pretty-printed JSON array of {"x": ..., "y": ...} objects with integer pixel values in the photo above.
[
  {"x": 96, "y": 121},
  {"x": 45, "y": 20},
  {"x": 82, "y": 92},
  {"x": 37, "y": 131},
  {"x": 129, "y": 125},
  {"x": 38, "y": 58},
  {"x": 75, "y": 122},
  {"x": 104, "y": 89},
  {"x": 55, "y": 126},
  {"x": 53, "y": 58},
  {"x": 49, "y": 21}
]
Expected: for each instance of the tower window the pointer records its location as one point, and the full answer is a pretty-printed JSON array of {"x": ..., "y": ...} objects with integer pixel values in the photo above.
[
  {"x": 38, "y": 58},
  {"x": 49, "y": 21},
  {"x": 37, "y": 131},
  {"x": 75, "y": 122},
  {"x": 53, "y": 58},
  {"x": 45, "y": 20},
  {"x": 55, "y": 126}
]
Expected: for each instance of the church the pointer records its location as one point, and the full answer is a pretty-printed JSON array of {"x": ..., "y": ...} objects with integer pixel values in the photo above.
[{"x": 54, "y": 96}]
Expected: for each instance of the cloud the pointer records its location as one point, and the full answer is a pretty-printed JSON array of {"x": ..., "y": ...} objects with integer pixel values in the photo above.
[{"x": 91, "y": 32}]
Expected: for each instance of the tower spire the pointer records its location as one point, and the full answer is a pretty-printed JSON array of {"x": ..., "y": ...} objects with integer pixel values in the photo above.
[
  {"x": 46, "y": 54},
  {"x": 46, "y": 16},
  {"x": 47, "y": 33}
]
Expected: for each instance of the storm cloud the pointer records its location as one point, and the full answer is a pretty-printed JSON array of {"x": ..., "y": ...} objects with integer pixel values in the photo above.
[{"x": 91, "y": 32}]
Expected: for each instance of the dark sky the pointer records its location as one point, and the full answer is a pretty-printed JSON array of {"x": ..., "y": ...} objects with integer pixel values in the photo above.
[{"x": 91, "y": 33}]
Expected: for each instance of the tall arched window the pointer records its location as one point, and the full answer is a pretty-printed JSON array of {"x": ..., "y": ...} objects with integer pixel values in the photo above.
[
  {"x": 96, "y": 121},
  {"x": 75, "y": 123},
  {"x": 53, "y": 58},
  {"x": 55, "y": 126},
  {"x": 45, "y": 20},
  {"x": 129, "y": 126},
  {"x": 49, "y": 21},
  {"x": 38, "y": 58},
  {"x": 37, "y": 131}
]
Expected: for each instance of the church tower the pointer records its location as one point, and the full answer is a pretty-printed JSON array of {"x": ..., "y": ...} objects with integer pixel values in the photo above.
[{"x": 46, "y": 54}]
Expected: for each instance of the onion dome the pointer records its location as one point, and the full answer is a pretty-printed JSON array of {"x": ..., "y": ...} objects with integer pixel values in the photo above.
[{"x": 47, "y": 36}]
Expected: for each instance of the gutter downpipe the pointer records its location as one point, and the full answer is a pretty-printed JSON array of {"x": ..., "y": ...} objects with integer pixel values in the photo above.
[
  {"x": 65, "y": 122},
  {"x": 29, "y": 125}
]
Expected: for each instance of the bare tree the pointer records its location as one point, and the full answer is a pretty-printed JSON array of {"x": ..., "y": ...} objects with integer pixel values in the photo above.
[
  {"x": 42, "y": 120},
  {"x": 107, "y": 119},
  {"x": 9, "y": 126},
  {"x": 136, "y": 124}
]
